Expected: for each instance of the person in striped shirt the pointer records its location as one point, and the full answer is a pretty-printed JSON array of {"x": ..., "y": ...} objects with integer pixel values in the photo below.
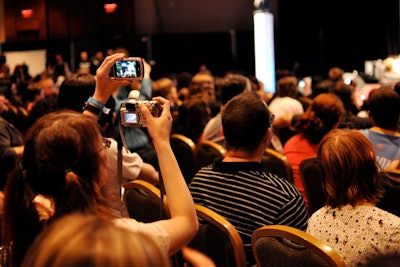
[{"x": 237, "y": 187}]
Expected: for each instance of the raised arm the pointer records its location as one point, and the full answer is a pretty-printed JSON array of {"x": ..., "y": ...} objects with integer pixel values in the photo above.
[
  {"x": 183, "y": 224},
  {"x": 105, "y": 87}
]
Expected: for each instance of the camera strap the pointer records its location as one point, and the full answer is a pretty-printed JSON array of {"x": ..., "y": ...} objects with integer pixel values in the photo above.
[{"x": 122, "y": 144}]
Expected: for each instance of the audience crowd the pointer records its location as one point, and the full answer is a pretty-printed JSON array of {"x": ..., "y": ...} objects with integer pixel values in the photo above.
[{"x": 61, "y": 143}]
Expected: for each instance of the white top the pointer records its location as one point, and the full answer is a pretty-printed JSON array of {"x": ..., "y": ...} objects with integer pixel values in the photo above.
[
  {"x": 281, "y": 106},
  {"x": 131, "y": 166},
  {"x": 213, "y": 130},
  {"x": 357, "y": 234},
  {"x": 152, "y": 229},
  {"x": 45, "y": 209},
  {"x": 131, "y": 162}
]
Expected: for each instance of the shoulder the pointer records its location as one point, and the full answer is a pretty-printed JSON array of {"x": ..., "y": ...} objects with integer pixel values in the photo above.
[
  {"x": 153, "y": 229},
  {"x": 294, "y": 140}
]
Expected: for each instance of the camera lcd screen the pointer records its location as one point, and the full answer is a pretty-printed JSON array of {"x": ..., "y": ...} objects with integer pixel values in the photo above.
[
  {"x": 127, "y": 69},
  {"x": 130, "y": 117}
]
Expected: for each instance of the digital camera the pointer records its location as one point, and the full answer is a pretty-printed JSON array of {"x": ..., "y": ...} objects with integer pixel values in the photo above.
[
  {"x": 131, "y": 116},
  {"x": 128, "y": 69}
]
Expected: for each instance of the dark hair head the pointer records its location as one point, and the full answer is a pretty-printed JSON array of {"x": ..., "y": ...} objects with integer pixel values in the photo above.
[
  {"x": 349, "y": 169},
  {"x": 192, "y": 118},
  {"x": 287, "y": 86},
  {"x": 245, "y": 120},
  {"x": 384, "y": 106},
  {"x": 75, "y": 90},
  {"x": 232, "y": 85},
  {"x": 183, "y": 79},
  {"x": 324, "y": 113},
  {"x": 345, "y": 93},
  {"x": 321, "y": 87}
]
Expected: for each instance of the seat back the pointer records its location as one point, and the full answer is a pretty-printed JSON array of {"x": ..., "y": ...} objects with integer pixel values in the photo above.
[
  {"x": 281, "y": 245},
  {"x": 391, "y": 198},
  {"x": 144, "y": 204},
  {"x": 143, "y": 201},
  {"x": 183, "y": 148},
  {"x": 311, "y": 177},
  {"x": 277, "y": 163},
  {"x": 218, "y": 239},
  {"x": 208, "y": 151}
]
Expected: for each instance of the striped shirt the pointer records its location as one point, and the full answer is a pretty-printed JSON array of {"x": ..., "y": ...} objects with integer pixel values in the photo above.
[{"x": 249, "y": 197}]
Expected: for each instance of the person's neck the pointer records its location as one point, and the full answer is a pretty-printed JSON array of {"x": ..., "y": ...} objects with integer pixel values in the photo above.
[
  {"x": 365, "y": 203},
  {"x": 242, "y": 156},
  {"x": 385, "y": 131}
]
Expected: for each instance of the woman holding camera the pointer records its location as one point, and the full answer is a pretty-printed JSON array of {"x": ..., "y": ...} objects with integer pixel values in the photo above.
[{"x": 64, "y": 167}]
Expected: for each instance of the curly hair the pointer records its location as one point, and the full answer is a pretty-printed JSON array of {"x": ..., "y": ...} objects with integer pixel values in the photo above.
[{"x": 324, "y": 113}]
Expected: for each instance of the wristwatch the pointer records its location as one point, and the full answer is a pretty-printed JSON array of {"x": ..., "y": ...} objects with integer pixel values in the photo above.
[{"x": 92, "y": 108}]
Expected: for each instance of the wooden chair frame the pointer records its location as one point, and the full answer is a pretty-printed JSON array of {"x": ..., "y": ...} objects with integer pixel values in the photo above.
[
  {"x": 300, "y": 237},
  {"x": 391, "y": 197},
  {"x": 277, "y": 156},
  {"x": 187, "y": 170},
  {"x": 225, "y": 226},
  {"x": 218, "y": 151},
  {"x": 313, "y": 189},
  {"x": 151, "y": 190}
]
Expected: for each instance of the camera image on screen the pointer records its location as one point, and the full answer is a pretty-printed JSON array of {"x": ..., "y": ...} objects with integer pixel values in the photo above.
[
  {"x": 130, "y": 117},
  {"x": 128, "y": 69}
]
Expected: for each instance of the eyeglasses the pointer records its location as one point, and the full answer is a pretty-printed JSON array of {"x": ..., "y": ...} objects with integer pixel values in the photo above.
[{"x": 106, "y": 144}]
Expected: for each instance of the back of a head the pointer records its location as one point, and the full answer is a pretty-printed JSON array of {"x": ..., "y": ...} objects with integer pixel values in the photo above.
[
  {"x": 324, "y": 113},
  {"x": 48, "y": 87},
  {"x": 75, "y": 90},
  {"x": 58, "y": 144},
  {"x": 86, "y": 240},
  {"x": 384, "y": 107},
  {"x": 201, "y": 91},
  {"x": 192, "y": 118},
  {"x": 245, "y": 120},
  {"x": 335, "y": 74},
  {"x": 321, "y": 87},
  {"x": 162, "y": 87},
  {"x": 232, "y": 85},
  {"x": 203, "y": 77},
  {"x": 350, "y": 172},
  {"x": 61, "y": 161},
  {"x": 344, "y": 92},
  {"x": 183, "y": 79},
  {"x": 287, "y": 86}
]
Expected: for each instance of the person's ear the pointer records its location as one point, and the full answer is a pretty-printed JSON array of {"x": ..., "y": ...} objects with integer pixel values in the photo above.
[{"x": 268, "y": 136}]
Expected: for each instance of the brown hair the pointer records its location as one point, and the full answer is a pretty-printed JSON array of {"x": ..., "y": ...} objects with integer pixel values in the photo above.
[
  {"x": 62, "y": 162},
  {"x": 324, "y": 113},
  {"x": 349, "y": 169},
  {"x": 87, "y": 240},
  {"x": 162, "y": 87}
]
